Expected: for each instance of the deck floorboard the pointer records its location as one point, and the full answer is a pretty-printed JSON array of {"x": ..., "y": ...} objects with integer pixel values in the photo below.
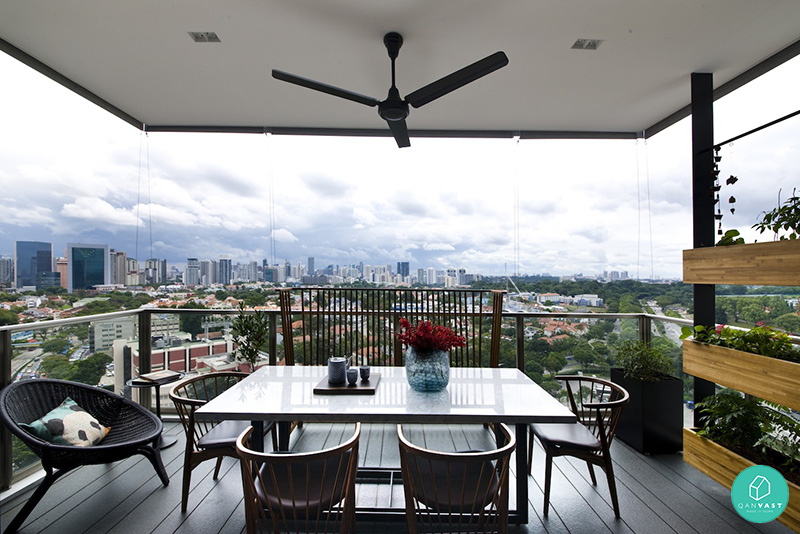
[{"x": 658, "y": 494}]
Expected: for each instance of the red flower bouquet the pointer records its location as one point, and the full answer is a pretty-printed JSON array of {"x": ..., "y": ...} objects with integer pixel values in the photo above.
[{"x": 427, "y": 337}]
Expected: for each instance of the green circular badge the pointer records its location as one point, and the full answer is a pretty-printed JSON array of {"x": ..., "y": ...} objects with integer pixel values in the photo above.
[{"x": 760, "y": 494}]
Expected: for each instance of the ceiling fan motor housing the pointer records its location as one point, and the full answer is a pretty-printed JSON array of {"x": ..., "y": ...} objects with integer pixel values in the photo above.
[{"x": 393, "y": 108}]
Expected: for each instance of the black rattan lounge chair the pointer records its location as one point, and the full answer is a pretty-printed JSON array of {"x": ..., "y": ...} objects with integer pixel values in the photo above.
[{"x": 134, "y": 430}]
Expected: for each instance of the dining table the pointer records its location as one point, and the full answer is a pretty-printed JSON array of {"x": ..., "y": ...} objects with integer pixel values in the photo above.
[{"x": 286, "y": 394}]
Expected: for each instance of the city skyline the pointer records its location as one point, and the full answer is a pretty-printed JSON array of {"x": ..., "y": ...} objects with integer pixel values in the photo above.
[
  {"x": 98, "y": 266},
  {"x": 491, "y": 206}
]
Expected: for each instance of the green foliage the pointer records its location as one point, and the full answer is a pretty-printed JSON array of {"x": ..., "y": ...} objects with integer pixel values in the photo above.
[
  {"x": 86, "y": 371},
  {"x": 747, "y": 423},
  {"x": 784, "y": 218},
  {"x": 192, "y": 322},
  {"x": 789, "y": 322},
  {"x": 643, "y": 362},
  {"x": 731, "y": 237},
  {"x": 57, "y": 345},
  {"x": 760, "y": 340},
  {"x": 8, "y": 317},
  {"x": 251, "y": 334}
]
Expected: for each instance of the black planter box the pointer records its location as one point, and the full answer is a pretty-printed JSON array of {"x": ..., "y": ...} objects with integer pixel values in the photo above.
[{"x": 652, "y": 422}]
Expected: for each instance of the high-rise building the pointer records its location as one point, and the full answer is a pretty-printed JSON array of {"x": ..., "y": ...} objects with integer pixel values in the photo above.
[
  {"x": 61, "y": 269},
  {"x": 311, "y": 265},
  {"x": 403, "y": 269},
  {"x": 225, "y": 270},
  {"x": 118, "y": 264},
  {"x": 431, "y": 278},
  {"x": 132, "y": 275},
  {"x": 87, "y": 266},
  {"x": 6, "y": 270},
  {"x": 152, "y": 271},
  {"x": 30, "y": 259},
  {"x": 192, "y": 275},
  {"x": 209, "y": 272}
]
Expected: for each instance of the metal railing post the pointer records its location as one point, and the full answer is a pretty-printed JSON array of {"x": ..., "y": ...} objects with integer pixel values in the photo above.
[
  {"x": 145, "y": 356},
  {"x": 645, "y": 329},
  {"x": 6, "y": 354},
  {"x": 520, "y": 338},
  {"x": 273, "y": 339}
]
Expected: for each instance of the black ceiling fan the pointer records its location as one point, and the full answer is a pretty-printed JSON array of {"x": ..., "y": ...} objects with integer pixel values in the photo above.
[{"x": 394, "y": 109}]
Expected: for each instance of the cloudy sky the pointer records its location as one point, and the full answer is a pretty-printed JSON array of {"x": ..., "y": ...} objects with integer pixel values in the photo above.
[{"x": 71, "y": 172}]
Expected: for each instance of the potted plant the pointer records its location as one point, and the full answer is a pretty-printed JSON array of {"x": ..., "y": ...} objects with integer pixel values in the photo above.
[
  {"x": 427, "y": 357},
  {"x": 759, "y": 361},
  {"x": 653, "y": 419},
  {"x": 250, "y": 334},
  {"x": 738, "y": 432}
]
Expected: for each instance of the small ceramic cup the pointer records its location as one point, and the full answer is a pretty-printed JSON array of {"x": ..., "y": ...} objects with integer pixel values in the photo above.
[
  {"x": 364, "y": 370},
  {"x": 352, "y": 376}
]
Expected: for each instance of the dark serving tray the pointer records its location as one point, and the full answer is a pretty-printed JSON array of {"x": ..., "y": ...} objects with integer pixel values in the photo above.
[{"x": 361, "y": 387}]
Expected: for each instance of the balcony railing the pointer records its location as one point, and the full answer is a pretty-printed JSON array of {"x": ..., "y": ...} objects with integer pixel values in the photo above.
[{"x": 146, "y": 358}]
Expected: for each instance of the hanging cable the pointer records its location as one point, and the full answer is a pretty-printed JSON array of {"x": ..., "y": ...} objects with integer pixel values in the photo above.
[
  {"x": 516, "y": 208},
  {"x": 638, "y": 211},
  {"x": 649, "y": 210},
  {"x": 138, "y": 197},
  {"x": 270, "y": 184},
  {"x": 149, "y": 197}
]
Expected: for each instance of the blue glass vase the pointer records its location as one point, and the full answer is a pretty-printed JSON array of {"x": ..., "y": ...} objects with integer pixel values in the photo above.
[{"x": 427, "y": 371}]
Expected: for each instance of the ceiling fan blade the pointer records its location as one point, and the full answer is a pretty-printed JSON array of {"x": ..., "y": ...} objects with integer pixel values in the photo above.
[
  {"x": 324, "y": 88},
  {"x": 459, "y": 78},
  {"x": 400, "y": 133}
]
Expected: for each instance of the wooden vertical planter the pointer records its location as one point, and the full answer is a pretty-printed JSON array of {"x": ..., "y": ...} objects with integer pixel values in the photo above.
[
  {"x": 767, "y": 378},
  {"x": 773, "y": 263},
  {"x": 723, "y": 466}
]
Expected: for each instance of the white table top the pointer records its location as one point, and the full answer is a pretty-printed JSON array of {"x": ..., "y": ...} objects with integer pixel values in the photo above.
[{"x": 474, "y": 395}]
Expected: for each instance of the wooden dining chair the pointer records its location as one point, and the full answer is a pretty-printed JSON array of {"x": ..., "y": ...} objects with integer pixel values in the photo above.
[
  {"x": 456, "y": 491},
  {"x": 287, "y": 491},
  {"x": 206, "y": 440},
  {"x": 597, "y": 403}
]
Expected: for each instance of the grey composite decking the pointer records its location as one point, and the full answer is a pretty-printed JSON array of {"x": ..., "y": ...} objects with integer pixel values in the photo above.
[{"x": 658, "y": 494}]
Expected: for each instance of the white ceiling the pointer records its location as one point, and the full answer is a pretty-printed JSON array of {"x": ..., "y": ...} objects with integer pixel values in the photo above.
[{"x": 138, "y": 57}]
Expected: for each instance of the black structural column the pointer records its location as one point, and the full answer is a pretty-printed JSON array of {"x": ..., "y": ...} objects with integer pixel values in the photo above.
[{"x": 703, "y": 204}]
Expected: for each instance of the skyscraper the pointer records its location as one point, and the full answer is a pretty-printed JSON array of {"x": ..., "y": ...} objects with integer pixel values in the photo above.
[
  {"x": 30, "y": 259},
  {"x": 6, "y": 270},
  {"x": 192, "y": 275},
  {"x": 403, "y": 269},
  {"x": 118, "y": 267},
  {"x": 311, "y": 265},
  {"x": 225, "y": 270},
  {"x": 87, "y": 266}
]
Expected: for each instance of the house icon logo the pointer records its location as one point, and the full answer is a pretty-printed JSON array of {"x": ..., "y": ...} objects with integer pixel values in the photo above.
[
  {"x": 759, "y": 488},
  {"x": 759, "y": 494}
]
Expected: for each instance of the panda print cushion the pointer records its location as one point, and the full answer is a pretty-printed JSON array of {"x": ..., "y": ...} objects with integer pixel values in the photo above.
[{"x": 69, "y": 424}]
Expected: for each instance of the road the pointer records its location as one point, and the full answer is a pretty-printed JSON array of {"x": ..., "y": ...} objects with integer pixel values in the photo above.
[{"x": 24, "y": 359}]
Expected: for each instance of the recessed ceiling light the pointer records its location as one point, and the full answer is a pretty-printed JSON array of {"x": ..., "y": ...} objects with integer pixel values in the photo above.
[
  {"x": 587, "y": 44},
  {"x": 204, "y": 37}
]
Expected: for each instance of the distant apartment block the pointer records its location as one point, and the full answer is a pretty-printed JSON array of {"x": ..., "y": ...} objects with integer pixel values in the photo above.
[
  {"x": 102, "y": 334},
  {"x": 87, "y": 266},
  {"x": 6, "y": 270},
  {"x": 192, "y": 275}
]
